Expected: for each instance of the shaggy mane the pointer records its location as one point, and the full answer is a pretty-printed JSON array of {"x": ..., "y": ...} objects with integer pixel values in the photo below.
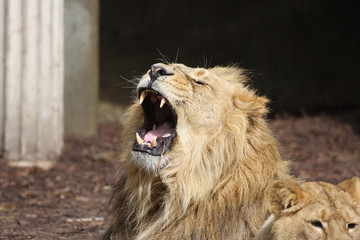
[{"x": 213, "y": 184}]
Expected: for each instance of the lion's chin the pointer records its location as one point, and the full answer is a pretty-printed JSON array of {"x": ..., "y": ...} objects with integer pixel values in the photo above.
[{"x": 148, "y": 162}]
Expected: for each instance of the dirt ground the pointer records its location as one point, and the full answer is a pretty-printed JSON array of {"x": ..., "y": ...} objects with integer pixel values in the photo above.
[{"x": 69, "y": 201}]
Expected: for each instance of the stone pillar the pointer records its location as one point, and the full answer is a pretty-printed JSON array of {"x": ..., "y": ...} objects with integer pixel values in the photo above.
[
  {"x": 32, "y": 80},
  {"x": 81, "y": 66},
  {"x": 2, "y": 68}
]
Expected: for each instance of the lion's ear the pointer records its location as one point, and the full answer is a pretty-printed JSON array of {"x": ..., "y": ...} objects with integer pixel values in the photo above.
[
  {"x": 284, "y": 195},
  {"x": 247, "y": 101},
  {"x": 351, "y": 186}
]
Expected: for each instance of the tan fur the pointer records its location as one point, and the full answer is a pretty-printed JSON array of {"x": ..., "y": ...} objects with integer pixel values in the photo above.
[
  {"x": 212, "y": 181},
  {"x": 313, "y": 211}
]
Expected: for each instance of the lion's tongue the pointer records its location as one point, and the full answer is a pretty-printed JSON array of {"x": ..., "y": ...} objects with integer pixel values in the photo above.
[{"x": 164, "y": 130}]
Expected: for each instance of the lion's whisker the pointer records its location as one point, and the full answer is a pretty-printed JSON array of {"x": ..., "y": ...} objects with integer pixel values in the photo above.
[
  {"x": 192, "y": 104},
  {"x": 185, "y": 110},
  {"x": 201, "y": 98},
  {"x": 133, "y": 81},
  {"x": 209, "y": 62},
  {"x": 158, "y": 167},
  {"x": 165, "y": 58},
  {"x": 162, "y": 60},
  {"x": 133, "y": 87},
  {"x": 205, "y": 61},
  {"x": 177, "y": 55},
  {"x": 198, "y": 107}
]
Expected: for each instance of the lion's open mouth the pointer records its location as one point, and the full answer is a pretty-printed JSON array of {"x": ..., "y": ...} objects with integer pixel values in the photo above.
[{"x": 158, "y": 131}]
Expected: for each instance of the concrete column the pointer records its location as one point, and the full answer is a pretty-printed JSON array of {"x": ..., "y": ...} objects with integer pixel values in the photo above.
[
  {"x": 81, "y": 66},
  {"x": 33, "y": 80},
  {"x": 2, "y": 72}
]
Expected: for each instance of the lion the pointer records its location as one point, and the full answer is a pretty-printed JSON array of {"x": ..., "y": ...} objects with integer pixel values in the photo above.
[
  {"x": 198, "y": 156},
  {"x": 313, "y": 211}
]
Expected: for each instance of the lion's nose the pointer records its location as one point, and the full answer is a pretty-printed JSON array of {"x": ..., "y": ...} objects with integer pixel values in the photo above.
[{"x": 158, "y": 70}]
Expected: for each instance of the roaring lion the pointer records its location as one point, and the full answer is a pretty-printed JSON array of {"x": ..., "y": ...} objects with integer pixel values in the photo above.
[
  {"x": 313, "y": 211},
  {"x": 198, "y": 156}
]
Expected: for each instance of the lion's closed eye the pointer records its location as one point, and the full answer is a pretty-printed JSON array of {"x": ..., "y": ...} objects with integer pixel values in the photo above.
[
  {"x": 317, "y": 223},
  {"x": 351, "y": 225},
  {"x": 199, "y": 82}
]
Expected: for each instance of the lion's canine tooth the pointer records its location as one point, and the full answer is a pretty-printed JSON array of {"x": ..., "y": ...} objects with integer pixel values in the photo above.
[
  {"x": 153, "y": 142},
  {"x": 142, "y": 96},
  {"x": 163, "y": 101},
  {"x": 139, "y": 139}
]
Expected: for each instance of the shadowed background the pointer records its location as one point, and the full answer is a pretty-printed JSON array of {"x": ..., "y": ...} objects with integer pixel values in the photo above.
[{"x": 303, "y": 55}]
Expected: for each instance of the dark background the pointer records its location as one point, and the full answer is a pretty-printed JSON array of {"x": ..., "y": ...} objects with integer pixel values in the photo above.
[{"x": 303, "y": 54}]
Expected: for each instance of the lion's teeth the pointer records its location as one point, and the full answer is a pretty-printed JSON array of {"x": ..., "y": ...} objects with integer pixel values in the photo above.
[
  {"x": 153, "y": 143},
  {"x": 139, "y": 139},
  {"x": 142, "y": 96},
  {"x": 163, "y": 101}
]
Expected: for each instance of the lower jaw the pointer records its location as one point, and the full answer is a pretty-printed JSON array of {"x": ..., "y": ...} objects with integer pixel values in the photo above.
[
  {"x": 157, "y": 151},
  {"x": 163, "y": 145},
  {"x": 147, "y": 162}
]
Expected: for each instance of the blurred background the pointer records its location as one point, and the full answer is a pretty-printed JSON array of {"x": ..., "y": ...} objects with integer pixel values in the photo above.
[
  {"x": 62, "y": 103},
  {"x": 303, "y": 54}
]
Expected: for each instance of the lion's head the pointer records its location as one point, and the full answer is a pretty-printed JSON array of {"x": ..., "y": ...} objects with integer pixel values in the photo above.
[
  {"x": 198, "y": 152},
  {"x": 194, "y": 118},
  {"x": 183, "y": 106},
  {"x": 313, "y": 211}
]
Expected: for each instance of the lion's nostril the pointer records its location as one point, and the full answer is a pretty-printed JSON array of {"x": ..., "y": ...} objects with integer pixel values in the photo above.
[
  {"x": 158, "y": 70},
  {"x": 162, "y": 72}
]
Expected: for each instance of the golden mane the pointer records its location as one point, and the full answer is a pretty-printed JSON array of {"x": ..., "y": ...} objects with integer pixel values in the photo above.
[{"x": 211, "y": 182}]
